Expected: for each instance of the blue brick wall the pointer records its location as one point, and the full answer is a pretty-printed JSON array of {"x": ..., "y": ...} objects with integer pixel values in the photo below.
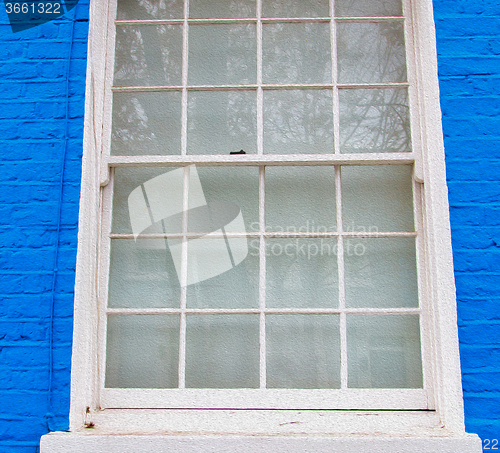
[
  {"x": 40, "y": 145},
  {"x": 468, "y": 35}
]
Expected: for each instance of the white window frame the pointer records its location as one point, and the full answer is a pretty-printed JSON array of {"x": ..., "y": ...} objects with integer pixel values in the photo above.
[{"x": 440, "y": 337}]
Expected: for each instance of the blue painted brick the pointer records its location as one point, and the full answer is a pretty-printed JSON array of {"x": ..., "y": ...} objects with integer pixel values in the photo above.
[
  {"x": 481, "y": 357},
  {"x": 456, "y": 8},
  {"x": 477, "y": 260},
  {"x": 480, "y": 308},
  {"x": 33, "y": 77},
  {"x": 477, "y": 284},
  {"x": 480, "y": 332},
  {"x": 479, "y": 406},
  {"x": 466, "y": 26},
  {"x": 467, "y": 85},
  {"x": 473, "y": 192},
  {"x": 25, "y": 306},
  {"x": 464, "y": 107},
  {"x": 472, "y": 170},
  {"x": 478, "y": 382}
]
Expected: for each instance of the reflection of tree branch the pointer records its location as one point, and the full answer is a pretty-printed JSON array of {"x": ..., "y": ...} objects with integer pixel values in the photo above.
[{"x": 375, "y": 118}]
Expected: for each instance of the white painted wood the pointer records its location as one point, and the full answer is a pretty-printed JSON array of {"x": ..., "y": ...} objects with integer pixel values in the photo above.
[
  {"x": 425, "y": 332},
  {"x": 107, "y": 101},
  {"x": 368, "y": 399},
  {"x": 268, "y": 422},
  {"x": 440, "y": 332},
  {"x": 253, "y": 20},
  {"x": 266, "y": 159},
  {"x": 440, "y": 277},
  {"x": 84, "y": 357},
  {"x": 341, "y": 273},
  {"x": 267, "y": 311},
  {"x": 262, "y": 272},
  {"x": 184, "y": 273},
  {"x": 104, "y": 258},
  {"x": 270, "y": 234},
  {"x": 64, "y": 442},
  {"x": 289, "y": 86}
]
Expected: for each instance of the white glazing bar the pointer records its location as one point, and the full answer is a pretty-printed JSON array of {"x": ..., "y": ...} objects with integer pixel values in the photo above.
[
  {"x": 336, "y": 102},
  {"x": 267, "y": 311},
  {"x": 183, "y": 280},
  {"x": 103, "y": 117},
  {"x": 269, "y": 234},
  {"x": 266, "y": 159},
  {"x": 185, "y": 55},
  {"x": 106, "y": 200},
  {"x": 288, "y": 86},
  {"x": 370, "y": 19},
  {"x": 425, "y": 328},
  {"x": 340, "y": 265},
  {"x": 366, "y": 85},
  {"x": 260, "y": 94},
  {"x": 235, "y": 20},
  {"x": 416, "y": 110},
  {"x": 262, "y": 277}
]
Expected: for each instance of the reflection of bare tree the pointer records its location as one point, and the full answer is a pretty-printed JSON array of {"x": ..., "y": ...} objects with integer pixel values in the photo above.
[
  {"x": 150, "y": 9},
  {"x": 130, "y": 123},
  {"x": 371, "y": 52},
  {"x": 368, "y": 8},
  {"x": 297, "y": 53},
  {"x": 374, "y": 120},
  {"x": 215, "y": 9},
  {"x": 222, "y": 54},
  {"x": 148, "y": 55},
  {"x": 146, "y": 123},
  {"x": 220, "y": 122},
  {"x": 298, "y": 121},
  {"x": 295, "y": 8}
]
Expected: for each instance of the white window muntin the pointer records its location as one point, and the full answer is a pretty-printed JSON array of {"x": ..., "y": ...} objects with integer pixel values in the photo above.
[{"x": 266, "y": 398}]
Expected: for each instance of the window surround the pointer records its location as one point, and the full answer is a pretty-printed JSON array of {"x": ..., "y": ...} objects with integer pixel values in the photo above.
[{"x": 444, "y": 426}]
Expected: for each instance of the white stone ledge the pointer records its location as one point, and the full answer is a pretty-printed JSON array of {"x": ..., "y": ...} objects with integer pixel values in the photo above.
[{"x": 89, "y": 443}]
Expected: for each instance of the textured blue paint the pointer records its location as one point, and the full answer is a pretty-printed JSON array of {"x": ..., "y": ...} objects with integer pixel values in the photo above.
[
  {"x": 33, "y": 136},
  {"x": 33, "y": 132},
  {"x": 468, "y": 35}
]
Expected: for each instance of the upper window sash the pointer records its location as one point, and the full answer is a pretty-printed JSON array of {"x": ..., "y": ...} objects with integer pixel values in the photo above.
[{"x": 341, "y": 93}]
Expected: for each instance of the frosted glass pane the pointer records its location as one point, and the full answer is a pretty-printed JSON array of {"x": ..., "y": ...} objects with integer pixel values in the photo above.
[
  {"x": 222, "y": 122},
  {"x": 228, "y": 190},
  {"x": 148, "y": 55},
  {"x": 300, "y": 199},
  {"x": 380, "y": 273},
  {"x": 371, "y": 52},
  {"x": 355, "y": 8},
  {"x": 374, "y": 121},
  {"x": 142, "y": 351},
  {"x": 301, "y": 273},
  {"x": 296, "y": 53},
  {"x": 222, "y": 273},
  {"x": 222, "y": 351},
  {"x": 222, "y": 54},
  {"x": 295, "y": 8},
  {"x": 377, "y": 198},
  {"x": 150, "y": 9},
  {"x": 146, "y": 123},
  {"x": 303, "y": 351},
  {"x": 142, "y": 275},
  {"x": 298, "y": 122},
  {"x": 203, "y": 9},
  {"x": 127, "y": 191},
  {"x": 384, "y": 351}
]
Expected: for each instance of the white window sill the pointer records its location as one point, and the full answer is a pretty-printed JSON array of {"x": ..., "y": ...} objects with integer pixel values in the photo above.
[{"x": 260, "y": 431}]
